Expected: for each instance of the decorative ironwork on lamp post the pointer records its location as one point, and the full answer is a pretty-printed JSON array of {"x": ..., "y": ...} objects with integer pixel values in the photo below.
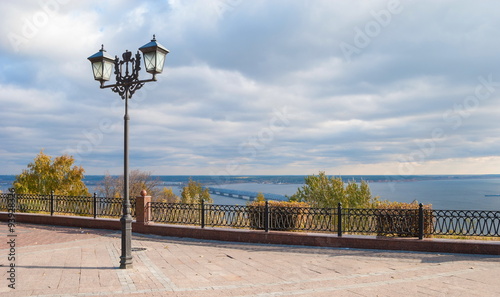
[{"x": 127, "y": 82}]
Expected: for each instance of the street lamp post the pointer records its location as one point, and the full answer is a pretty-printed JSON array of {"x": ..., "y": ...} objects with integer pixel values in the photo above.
[{"x": 127, "y": 82}]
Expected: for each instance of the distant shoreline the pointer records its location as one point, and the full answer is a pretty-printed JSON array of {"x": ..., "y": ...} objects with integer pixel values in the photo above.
[
  {"x": 299, "y": 179},
  {"x": 6, "y": 180}
]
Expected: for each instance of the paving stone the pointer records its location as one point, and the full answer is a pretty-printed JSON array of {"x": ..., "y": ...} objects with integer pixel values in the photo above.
[{"x": 64, "y": 261}]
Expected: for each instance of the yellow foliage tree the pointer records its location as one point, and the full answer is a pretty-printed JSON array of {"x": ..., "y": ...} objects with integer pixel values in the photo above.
[
  {"x": 45, "y": 175},
  {"x": 167, "y": 195},
  {"x": 260, "y": 197},
  {"x": 194, "y": 193}
]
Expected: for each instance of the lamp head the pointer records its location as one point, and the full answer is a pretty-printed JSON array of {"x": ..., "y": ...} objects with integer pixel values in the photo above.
[
  {"x": 102, "y": 65},
  {"x": 154, "y": 56}
]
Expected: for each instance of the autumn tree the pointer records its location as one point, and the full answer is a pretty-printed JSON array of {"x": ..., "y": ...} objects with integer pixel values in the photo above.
[
  {"x": 324, "y": 192},
  {"x": 194, "y": 193},
  {"x": 260, "y": 197},
  {"x": 45, "y": 175},
  {"x": 167, "y": 195},
  {"x": 112, "y": 186}
]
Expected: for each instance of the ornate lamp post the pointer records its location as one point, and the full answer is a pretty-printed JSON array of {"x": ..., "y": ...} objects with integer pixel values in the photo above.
[{"x": 127, "y": 82}]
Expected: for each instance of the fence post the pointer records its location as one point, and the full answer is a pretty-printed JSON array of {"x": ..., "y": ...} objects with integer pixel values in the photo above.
[
  {"x": 420, "y": 221},
  {"x": 202, "y": 210},
  {"x": 52, "y": 203},
  {"x": 266, "y": 217},
  {"x": 143, "y": 208},
  {"x": 339, "y": 220},
  {"x": 95, "y": 205}
]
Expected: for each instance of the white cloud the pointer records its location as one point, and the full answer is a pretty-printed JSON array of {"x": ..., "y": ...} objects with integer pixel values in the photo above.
[{"x": 234, "y": 64}]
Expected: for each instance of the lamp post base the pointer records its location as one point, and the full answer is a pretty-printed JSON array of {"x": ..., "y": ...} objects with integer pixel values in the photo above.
[
  {"x": 126, "y": 257},
  {"x": 126, "y": 263}
]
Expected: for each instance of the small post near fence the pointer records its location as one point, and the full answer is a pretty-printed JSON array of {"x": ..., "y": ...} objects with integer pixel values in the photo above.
[
  {"x": 95, "y": 205},
  {"x": 202, "y": 213},
  {"x": 339, "y": 220},
  {"x": 266, "y": 217},
  {"x": 421, "y": 221},
  {"x": 52, "y": 203},
  {"x": 142, "y": 208}
]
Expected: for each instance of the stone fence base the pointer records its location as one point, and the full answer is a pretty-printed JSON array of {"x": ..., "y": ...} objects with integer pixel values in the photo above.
[{"x": 273, "y": 237}]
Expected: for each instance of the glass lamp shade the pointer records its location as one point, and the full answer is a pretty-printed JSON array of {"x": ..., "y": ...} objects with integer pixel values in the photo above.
[
  {"x": 154, "y": 56},
  {"x": 102, "y": 65}
]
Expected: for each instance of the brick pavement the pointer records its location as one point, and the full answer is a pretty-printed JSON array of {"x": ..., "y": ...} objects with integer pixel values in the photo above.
[{"x": 64, "y": 261}]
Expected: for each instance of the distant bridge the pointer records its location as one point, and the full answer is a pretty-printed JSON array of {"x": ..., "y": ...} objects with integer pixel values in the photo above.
[{"x": 245, "y": 195}]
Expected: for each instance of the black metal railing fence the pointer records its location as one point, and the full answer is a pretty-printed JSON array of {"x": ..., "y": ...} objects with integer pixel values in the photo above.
[
  {"x": 175, "y": 213},
  {"x": 466, "y": 223},
  {"x": 67, "y": 205},
  {"x": 417, "y": 222}
]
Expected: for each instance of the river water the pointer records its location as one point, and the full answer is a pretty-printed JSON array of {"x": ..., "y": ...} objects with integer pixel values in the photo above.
[{"x": 442, "y": 192}]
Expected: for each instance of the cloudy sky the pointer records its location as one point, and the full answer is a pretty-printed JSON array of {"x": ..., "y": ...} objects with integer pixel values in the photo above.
[{"x": 257, "y": 87}]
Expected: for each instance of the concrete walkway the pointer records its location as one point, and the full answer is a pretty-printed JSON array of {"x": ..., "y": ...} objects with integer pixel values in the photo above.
[{"x": 63, "y": 261}]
